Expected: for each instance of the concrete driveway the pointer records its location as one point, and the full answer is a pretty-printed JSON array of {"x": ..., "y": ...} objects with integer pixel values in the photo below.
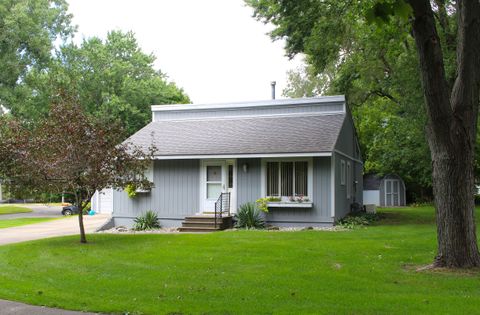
[
  {"x": 15, "y": 308},
  {"x": 39, "y": 211},
  {"x": 61, "y": 227}
]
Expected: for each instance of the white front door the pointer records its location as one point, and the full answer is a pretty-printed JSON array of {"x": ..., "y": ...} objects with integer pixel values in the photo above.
[
  {"x": 214, "y": 183},
  {"x": 217, "y": 176}
]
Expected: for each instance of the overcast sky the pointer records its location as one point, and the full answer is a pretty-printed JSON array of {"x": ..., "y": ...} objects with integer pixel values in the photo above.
[{"x": 213, "y": 49}]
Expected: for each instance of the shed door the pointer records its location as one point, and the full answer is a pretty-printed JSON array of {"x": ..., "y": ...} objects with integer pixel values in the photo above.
[{"x": 392, "y": 193}]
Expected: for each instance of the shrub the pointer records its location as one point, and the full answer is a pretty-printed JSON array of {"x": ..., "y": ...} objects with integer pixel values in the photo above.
[
  {"x": 249, "y": 217},
  {"x": 262, "y": 203},
  {"x": 147, "y": 221},
  {"x": 353, "y": 221},
  {"x": 131, "y": 190}
]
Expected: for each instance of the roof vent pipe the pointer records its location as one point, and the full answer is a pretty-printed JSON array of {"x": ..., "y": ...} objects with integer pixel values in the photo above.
[{"x": 273, "y": 83}]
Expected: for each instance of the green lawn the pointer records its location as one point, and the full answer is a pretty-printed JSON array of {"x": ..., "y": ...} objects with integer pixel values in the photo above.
[
  {"x": 23, "y": 221},
  {"x": 364, "y": 271},
  {"x": 13, "y": 209}
]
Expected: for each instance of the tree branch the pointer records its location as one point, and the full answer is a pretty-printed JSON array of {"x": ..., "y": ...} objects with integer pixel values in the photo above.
[
  {"x": 432, "y": 68},
  {"x": 465, "y": 93}
]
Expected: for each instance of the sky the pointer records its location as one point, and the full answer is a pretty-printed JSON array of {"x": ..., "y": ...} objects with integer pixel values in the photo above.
[{"x": 213, "y": 49}]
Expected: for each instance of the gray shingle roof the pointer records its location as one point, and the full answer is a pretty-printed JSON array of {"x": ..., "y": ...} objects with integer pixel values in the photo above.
[{"x": 257, "y": 135}]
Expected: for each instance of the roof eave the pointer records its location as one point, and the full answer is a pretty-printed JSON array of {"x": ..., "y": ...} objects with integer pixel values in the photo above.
[{"x": 242, "y": 155}]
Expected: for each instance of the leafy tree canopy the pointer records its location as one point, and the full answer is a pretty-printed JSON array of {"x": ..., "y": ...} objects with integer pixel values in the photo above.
[
  {"x": 364, "y": 49},
  {"x": 28, "y": 31},
  {"x": 114, "y": 80}
]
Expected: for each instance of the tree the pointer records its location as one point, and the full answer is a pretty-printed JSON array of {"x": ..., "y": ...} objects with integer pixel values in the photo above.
[
  {"x": 452, "y": 129},
  {"x": 114, "y": 80},
  {"x": 450, "y": 84},
  {"x": 70, "y": 151},
  {"x": 28, "y": 31}
]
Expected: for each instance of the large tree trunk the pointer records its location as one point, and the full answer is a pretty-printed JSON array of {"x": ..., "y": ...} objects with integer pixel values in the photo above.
[
  {"x": 451, "y": 131},
  {"x": 453, "y": 184}
]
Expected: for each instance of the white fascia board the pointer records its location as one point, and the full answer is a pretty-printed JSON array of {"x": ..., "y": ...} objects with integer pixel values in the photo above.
[
  {"x": 236, "y": 156},
  {"x": 288, "y": 101}
]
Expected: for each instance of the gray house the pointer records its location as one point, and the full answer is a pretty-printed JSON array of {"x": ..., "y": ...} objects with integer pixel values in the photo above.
[{"x": 303, "y": 151}]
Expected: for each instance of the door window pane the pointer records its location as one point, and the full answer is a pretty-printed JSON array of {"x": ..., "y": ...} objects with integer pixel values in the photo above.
[
  {"x": 214, "y": 173},
  {"x": 213, "y": 190}
]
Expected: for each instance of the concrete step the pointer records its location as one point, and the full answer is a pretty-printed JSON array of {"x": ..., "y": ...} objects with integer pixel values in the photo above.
[
  {"x": 200, "y": 224},
  {"x": 203, "y": 223},
  {"x": 198, "y": 229}
]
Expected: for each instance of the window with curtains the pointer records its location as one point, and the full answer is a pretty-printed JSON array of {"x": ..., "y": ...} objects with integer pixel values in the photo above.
[{"x": 287, "y": 178}]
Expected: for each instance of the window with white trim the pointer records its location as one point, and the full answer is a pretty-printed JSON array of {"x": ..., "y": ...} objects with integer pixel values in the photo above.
[
  {"x": 287, "y": 178},
  {"x": 349, "y": 180},
  {"x": 342, "y": 172}
]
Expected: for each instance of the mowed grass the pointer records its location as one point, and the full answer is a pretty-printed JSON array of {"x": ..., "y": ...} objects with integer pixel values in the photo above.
[
  {"x": 364, "y": 271},
  {"x": 13, "y": 209},
  {"x": 23, "y": 221}
]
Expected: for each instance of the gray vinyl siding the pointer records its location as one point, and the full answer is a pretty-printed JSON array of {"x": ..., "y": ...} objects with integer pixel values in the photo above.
[
  {"x": 176, "y": 193},
  {"x": 347, "y": 142},
  {"x": 248, "y": 111},
  {"x": 249, "y": 189},
  {"x": 248, "y": 183},
  {"x": 348, "y": 145}
]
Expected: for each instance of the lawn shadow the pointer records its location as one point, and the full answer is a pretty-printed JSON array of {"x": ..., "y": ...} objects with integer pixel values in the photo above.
[{"x": 406, "y": 216}]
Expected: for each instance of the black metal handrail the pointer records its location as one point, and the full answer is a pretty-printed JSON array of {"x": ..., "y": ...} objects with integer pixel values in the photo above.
[{"x": 222, "y": 205}]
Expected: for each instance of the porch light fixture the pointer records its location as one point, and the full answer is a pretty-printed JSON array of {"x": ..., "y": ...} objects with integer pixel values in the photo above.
[{"x": 245, "y": 167}]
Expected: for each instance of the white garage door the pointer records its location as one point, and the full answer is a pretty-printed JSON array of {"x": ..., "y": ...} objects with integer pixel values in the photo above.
[{"x": 102, "y": 202}]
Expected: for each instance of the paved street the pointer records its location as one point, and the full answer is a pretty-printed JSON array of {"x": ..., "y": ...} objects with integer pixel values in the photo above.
[{"x": 39, "y": 211}]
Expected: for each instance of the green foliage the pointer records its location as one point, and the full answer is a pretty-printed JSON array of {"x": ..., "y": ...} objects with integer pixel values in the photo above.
[
  {"x": 370, "y": 56},
  {"x": 131, "y": 190},
  {"x": 249, "y": 216},
  {"x": 147, "y": 221},
  {"x": 28, "y": 31},
  {"x": 353, "y": 221},
  {"x": 115, "y": 80},
  {"x": 262, "y": 203}
]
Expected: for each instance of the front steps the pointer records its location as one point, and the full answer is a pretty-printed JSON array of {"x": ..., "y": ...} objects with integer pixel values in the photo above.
[{"x": 205, "y": 223}]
